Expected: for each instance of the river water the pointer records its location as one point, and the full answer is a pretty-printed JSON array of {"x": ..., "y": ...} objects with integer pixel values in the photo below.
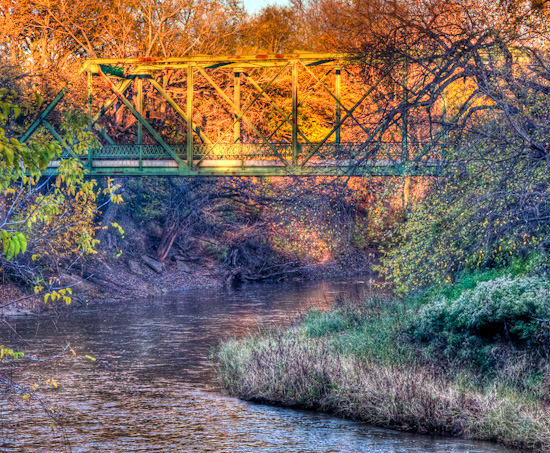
[{"x": 152, "y": 387}]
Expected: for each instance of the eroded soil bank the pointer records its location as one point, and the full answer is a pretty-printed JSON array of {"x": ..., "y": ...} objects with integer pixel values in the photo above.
[{"x": 142, "y": 275}]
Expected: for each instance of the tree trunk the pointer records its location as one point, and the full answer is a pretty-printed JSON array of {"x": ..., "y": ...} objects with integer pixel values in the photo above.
[
  {"x": 107, "y": 218},
  {"x": 169, "y": 235}
]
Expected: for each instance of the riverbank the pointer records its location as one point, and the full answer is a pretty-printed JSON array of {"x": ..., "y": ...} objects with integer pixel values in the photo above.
[
  {"x": 472, "y": 363},
  {"x": 100, "y": 280},
  {"x": 126, "y": 278}
]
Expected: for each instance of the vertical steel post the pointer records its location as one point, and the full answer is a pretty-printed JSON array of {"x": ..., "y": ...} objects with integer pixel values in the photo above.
[
  {"x": 337, "y": 109},
  {"x": 190, "y": 115},
  {"x": 90, "y": 114},
  {"x": 139, "y": 108},
  {"x": 444, "y": 122},
  {"x": 237, "y": 103},
  {"x": 90, "y": 94},
  {"x": 405, "y": 133},
  {"x": 294, "y": 113},
  {"x": 237, "y": 109}
]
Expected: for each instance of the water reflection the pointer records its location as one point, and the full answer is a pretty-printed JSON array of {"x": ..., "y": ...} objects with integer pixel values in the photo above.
[{"x": 152, "y": 387}]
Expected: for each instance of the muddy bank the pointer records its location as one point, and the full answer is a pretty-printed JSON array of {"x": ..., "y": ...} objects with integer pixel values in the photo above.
[
  {"x": 134, "y": 260},
  {"x": 143, "y": 276}
]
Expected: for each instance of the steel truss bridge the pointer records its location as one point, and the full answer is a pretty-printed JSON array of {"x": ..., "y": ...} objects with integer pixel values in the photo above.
[{"x": 302, "y": 114}]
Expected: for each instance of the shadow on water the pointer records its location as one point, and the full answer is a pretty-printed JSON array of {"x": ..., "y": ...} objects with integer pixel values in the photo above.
[{"x": 152, "y": 387}]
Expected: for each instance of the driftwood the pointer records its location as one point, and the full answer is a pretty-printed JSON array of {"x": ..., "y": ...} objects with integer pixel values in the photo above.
[
  {"x": 153, "y": 264},
  {"x": 169, "y": 234},
  {"x": 252, "y": 259},
  {"x": 239, "y": 275}
]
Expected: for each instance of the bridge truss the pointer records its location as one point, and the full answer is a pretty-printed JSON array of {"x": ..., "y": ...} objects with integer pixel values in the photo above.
[{"x": 257, "y": 115}]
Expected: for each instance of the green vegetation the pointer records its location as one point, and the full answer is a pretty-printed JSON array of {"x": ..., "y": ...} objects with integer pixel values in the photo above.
[
  {"x": 496, "y": 322},
  {"x": 46, "y": 224},
  {"x": 465, "y": 352},
  {"x": 469, "y": 360}
]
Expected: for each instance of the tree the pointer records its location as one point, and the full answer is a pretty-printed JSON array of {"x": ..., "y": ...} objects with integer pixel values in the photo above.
[
  {"x": 273, "y": 30},
  {"x": 477, "y": 88},
  {"x": 46, "y": 223}
]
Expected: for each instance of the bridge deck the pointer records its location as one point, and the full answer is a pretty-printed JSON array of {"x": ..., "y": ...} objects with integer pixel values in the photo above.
[
  {"x": 251, "y": 160},
  {"x": 256, "y": 167}
]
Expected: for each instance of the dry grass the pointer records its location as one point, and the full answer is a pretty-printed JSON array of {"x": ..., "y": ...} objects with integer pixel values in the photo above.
[{"x": 292, "y": 369}]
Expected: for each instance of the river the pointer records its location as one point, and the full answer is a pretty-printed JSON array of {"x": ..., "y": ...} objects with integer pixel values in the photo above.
[{"x": 153, "y": 388}]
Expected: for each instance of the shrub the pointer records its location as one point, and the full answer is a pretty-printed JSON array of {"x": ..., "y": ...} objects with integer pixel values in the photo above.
[{"x": 503, "y": 311}]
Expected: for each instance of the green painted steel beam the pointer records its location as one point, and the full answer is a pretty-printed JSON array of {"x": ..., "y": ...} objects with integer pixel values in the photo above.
[
  {"x": 338, "y": 104},
  {"x": 109, "y": 102},
  {"x": 143, "y": 121},
  {"x": 132, "y": 67},
  {"x": 405, "y": 115},
  {"x": 302, "y": 101},
  {"x": 359, "y": 171},
  {"x": 202, "y": 136},
  {"x": 92, "y": 64},
  {"x": 32, "y": 128},
  {"x": 294, "y": 113},
  {"x": 239, "y": 114},
  {"x": 238, "y": 159},
  {"x": 58, "y": 137},
  {"x": 113, "y": 70},
  {"x": 189, "y": 114},
  {"x": 139, "y": 125},
  {"x": 242, "y": 116}
]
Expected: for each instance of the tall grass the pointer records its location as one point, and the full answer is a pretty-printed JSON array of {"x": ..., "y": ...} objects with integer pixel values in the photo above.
[
  {"x": 391, "y": 364},
  {"x": 293, "y": 370}
]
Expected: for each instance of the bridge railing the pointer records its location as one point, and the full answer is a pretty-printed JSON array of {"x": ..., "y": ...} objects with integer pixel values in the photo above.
[
  {"x": 200, "y": 151},
  {"x": 352, "y": 159},
  {"x": 249, "y": 151}
]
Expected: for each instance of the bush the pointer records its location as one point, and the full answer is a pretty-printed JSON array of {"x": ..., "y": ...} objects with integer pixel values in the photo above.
[
  {"x": 504, "y": 311},
  {"x": 469, "y": 221}
]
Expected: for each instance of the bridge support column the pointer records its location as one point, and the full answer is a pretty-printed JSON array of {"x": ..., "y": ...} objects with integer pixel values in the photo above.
[
  {"x": 405, "y": 135},
  {"x": 189, "y": 115},
  {"x": 236, "y": 109},
  {"x": 444, "y": 122},
  {"x": 89, "y": 80},
  {"x": 405, "y": 115}
]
